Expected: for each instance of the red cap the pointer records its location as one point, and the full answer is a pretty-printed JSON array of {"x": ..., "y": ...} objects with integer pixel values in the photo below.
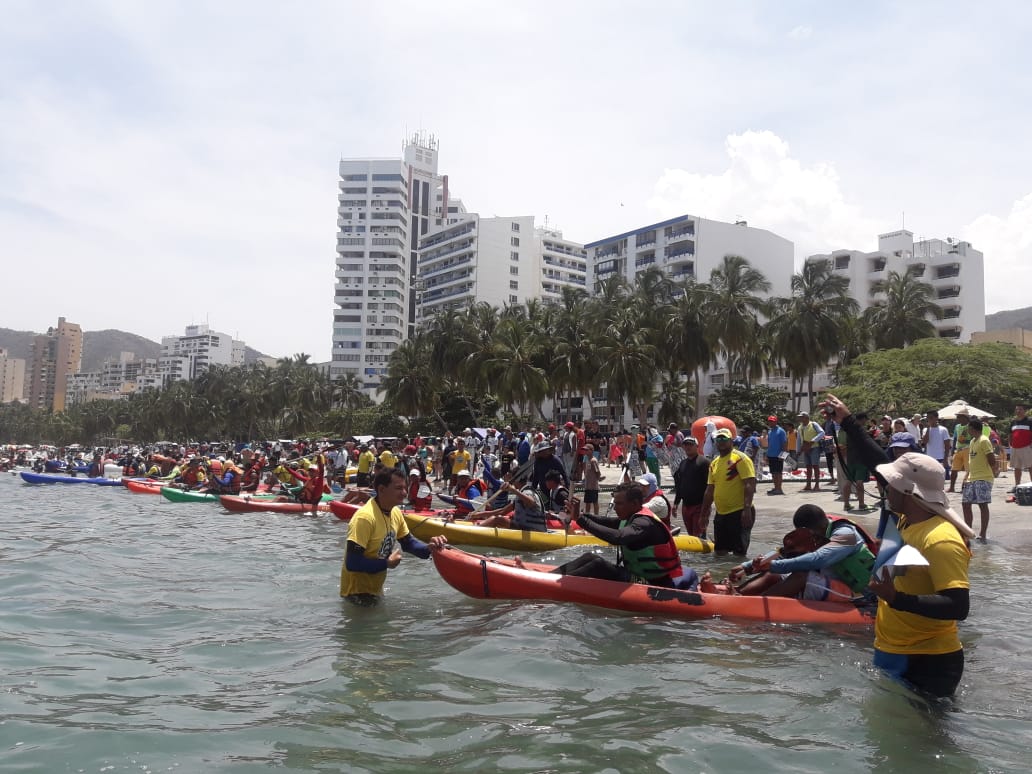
[
  {"x": 551, "y": 427},
  {"x": 410, "y": 449},
  {"x": 772, "y": 418},
  {"x": 569, "y": 425}
]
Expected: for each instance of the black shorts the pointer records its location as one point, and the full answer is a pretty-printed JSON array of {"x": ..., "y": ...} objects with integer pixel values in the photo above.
[
  {"x": 729, "y": 535},
  {"x": 590, "y": 496},
  {"x": 776, "y": 464},
  {"x": 362, "y": 479}
]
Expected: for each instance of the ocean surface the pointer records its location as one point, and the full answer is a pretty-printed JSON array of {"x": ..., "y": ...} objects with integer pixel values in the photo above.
[{"x": 141, "y": 635}]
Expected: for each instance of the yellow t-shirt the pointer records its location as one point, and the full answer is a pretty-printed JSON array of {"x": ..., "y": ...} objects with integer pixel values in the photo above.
[
  {"x": 365, "y": 461},
  {"x": 388, "y": 459},
  {"x": 378, "y": 534},
  {"x": 979, "y": 468},
  {"x": 728, "y": 475},
  {"x": 460, "y": 461},
  {"x": 282, "y": 474},
  {"x": 908, "y": 633}
]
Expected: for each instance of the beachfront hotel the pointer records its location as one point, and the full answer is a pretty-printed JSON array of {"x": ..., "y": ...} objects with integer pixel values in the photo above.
[
  {"x": 188, "y": 356},
  {"x": 954, "y": 269}
]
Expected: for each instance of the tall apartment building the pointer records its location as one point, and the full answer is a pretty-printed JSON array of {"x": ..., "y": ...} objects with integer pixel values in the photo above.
[
  {"x": 384, "y": 206},
  {"x": 12, "y": 377},
  {"x": 954, "y": 269},
  {"x": 56, "y": 355},
  {"x": 500, "y": 261},
  {"x": 188, "y": 356}
]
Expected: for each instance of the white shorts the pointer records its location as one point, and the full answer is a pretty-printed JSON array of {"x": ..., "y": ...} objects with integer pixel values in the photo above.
[{"x": 1021, "y": 458}]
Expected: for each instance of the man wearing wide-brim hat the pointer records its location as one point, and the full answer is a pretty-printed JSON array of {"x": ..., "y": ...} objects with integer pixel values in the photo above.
[
  {"x": 545, "y": 459},
  {"x": 915, "y": 632}
]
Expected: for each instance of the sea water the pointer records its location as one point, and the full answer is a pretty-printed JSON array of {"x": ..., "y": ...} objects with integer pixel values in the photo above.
[{"x": 142, "y": 635}]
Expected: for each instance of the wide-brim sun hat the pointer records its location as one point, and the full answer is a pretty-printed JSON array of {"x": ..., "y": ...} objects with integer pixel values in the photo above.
[
  {"x": 919, "y": 475},
  {"x": 543, "y": 446}
]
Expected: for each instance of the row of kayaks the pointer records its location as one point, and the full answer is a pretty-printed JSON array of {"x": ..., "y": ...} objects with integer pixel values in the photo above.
[{"x": 496, "y": 578}]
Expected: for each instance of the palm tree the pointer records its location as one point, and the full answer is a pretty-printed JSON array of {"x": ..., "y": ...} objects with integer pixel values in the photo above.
[
  {"x": 904, "y": 312},
  {"x": 733, "y": 306},
  {"x": 808, "y": 328},
  {"x": 410, "y": 385},
  {"x": 516, "y": 376}
]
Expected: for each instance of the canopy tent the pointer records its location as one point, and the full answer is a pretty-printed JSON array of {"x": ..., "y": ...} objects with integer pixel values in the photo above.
[{"x": 961, "y": 406}]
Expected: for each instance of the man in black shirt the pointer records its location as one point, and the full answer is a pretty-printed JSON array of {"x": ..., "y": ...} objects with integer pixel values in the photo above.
[{"x": 690, "y": 486}]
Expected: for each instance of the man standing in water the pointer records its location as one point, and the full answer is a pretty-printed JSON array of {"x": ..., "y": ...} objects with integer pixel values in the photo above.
[
  {"x": 376, "y": 536},
  {"x": 915, "y": 632}
]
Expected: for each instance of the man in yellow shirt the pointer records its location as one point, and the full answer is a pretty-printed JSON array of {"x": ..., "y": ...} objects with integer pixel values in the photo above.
[
  {"x": 377, "y": 535},
  {"x": 461, "y": 460},
  {"x": 978, "y": 486},
  {"x": 730, "y": 485},
  {"x": 366, "y": 460},
  {"x": 387, "y": 456}
]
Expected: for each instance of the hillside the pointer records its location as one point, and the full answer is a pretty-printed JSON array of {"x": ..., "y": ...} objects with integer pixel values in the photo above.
[
  {"x": 1014, "y": 318},
  {"x": 97, "y": 346}
]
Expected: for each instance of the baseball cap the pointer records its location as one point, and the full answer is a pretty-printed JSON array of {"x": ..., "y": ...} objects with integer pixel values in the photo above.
[
  {"x": 542, "y": 446},
  {"x": 569, "y": 425},
  {"x": 649, "y": 480},
  {"x": 463, "y": 473},
  {"x": 690, "y": 439},
  {"x": 773, "y": 419},
  {"x": 413, "y": 472},
  {"x": 903, "y": 441},
  {"x": 723, "y": 433},
  {"x": 924, "y": 478}
]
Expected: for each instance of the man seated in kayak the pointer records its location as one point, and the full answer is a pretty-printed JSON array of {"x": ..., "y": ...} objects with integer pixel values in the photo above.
[
  {"x": 228, "y": 482},
  {"x": 377, "y": 534},
  {"x": 467, "y": 489},
  {"x": 837, "y": 568},
  {"x": 648, "y": 553},
  {"x": 193, "y": 476},
  {"x": 525, "y": 511}
]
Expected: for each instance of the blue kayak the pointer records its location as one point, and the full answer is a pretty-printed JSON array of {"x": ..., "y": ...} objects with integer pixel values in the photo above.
[{"x": 50, "y": 478}]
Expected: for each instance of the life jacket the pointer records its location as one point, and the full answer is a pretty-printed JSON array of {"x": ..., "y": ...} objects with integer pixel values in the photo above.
[
  {"x": 419, "y": 503},
  {"x": 190, "y": 475},
  {"x": 655, "y": 562},
  {"x": 855, "y": 569},
  {"x": 230, "y": 469},
  {"x": 462, "y": 504},
  {"x": 532, "y": 518},
  {"x": 553, "y": 498}
]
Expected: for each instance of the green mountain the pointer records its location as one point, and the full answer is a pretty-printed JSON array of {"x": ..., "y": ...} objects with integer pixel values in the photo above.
[{"x": 97, "y": 346}]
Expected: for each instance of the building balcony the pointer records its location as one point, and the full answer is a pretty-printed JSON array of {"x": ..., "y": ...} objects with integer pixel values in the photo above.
[
  {"x": 645, "y": 261},
  {"x": 679, "y": 253},
  {"x": 949, "y": 292},
  {"x": 686, "y": 231}
]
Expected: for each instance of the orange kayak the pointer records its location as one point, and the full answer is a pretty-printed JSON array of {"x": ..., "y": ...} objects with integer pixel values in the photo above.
[
  {"x": 242, "y": 504},
  {"x": 494, "y": 578},
  {"x": 144, "y": 485}
]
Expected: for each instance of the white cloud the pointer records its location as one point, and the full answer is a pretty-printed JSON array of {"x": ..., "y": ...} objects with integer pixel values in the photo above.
[
  {"x": 802, "y": 32},
  {"x": 1007, "y": 245},
  {"x": 766, "y": 186}
]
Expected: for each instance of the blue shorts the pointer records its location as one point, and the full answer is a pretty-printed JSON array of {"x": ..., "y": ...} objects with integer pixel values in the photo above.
[
  {"x": 811, "y": 459},
  {"x": 977, "y": 492},
  {"x": 937, "y": 674}
]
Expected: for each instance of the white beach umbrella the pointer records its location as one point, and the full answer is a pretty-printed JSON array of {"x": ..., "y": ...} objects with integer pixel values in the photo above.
[{"x": 961, "y": 406}]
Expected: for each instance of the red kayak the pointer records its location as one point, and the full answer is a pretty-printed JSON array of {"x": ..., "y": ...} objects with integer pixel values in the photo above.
[
  {"x": 493, "y": 578},
  {"x": 238, "y": 504}
]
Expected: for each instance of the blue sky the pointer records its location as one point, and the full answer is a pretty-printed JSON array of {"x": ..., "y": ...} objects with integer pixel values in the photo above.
[{"x": 163, "y": 164}]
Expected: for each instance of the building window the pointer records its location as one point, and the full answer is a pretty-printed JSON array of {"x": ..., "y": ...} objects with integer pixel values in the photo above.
[
  {"x": 515, "y": 241},
  {"x": 515, "y": 226},
  {"x": 514, "y": 299},
  {"x": 514, "y": 285},
  {"x": 514, "y": 270},
  {"x": 514, "y": 255}
]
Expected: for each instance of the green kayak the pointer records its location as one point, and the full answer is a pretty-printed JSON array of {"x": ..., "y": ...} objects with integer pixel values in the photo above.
[{"x": 177, "y": 495}]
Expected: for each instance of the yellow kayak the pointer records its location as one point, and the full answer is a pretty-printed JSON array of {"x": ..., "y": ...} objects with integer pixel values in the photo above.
[{"x": 466, "y": 533}]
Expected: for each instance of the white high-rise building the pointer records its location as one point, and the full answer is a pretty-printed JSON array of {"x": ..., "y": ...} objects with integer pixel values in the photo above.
[
  {"x": 188, "y": 356},
  {"x": 689, "y": 248},
  {"x": 499, "y": 261},
  {"x": 384, "y": 206},
  {"x": 954, "y": 269}
]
